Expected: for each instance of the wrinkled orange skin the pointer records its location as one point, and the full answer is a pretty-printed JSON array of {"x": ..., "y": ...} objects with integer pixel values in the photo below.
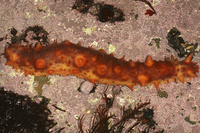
[{"x": 67, "y": 58}]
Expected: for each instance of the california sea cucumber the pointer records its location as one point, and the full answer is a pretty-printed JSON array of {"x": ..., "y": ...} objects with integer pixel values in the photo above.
[{"x": 67, "y": 58}]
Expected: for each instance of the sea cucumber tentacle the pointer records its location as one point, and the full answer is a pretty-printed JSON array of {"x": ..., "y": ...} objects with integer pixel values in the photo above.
[{"x": 96, "y": 66}]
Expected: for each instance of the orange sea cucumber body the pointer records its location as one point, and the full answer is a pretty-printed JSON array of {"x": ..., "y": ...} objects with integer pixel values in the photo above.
[{"x": 96, "y": 66}]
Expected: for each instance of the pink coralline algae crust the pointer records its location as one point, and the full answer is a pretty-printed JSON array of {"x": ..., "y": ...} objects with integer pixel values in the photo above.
[{"x": 67, "y": 58}]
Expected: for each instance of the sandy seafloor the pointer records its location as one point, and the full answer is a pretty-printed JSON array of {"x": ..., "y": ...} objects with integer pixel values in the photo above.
[{"x": 130, "y": 38}]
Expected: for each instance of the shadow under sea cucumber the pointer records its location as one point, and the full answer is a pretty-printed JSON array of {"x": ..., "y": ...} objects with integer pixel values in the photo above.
[{"x": 97, "y": 66}]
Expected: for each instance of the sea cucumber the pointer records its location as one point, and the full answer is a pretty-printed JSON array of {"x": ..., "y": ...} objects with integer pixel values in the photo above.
[{"x": 67, "y": 58}]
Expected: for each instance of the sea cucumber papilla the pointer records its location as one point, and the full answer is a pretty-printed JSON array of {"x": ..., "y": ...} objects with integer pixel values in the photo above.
[{"x": 67, "y": 58}]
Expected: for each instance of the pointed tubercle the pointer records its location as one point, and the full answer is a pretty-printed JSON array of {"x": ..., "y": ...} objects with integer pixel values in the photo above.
[
  {"x": 28, "y": 46},
  {"x": 55, "y": 42},
  {"x": 188, "y": 59},
  {"x": 111, "y": 54},
  {"x": 67, "y": 42},
  {"x": 149, "y": 62},
  {"x": 130, "y": 87},
  {"x": 191, "y": 73},
  {"x": 132, "y": 64},
  {"x": 92, "y": 80},
  {"x": 90, "y": 47},
  {"x": 123, "y": 58},
  {"x": 181, "y": 78},
  {"x": 38, "y": 46},
  {"x": 172, "y": 57},
  {"x": 156, "y": 83},
  {"x": 102, "y": 51},
  {"x": 79, "y": 43}
]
